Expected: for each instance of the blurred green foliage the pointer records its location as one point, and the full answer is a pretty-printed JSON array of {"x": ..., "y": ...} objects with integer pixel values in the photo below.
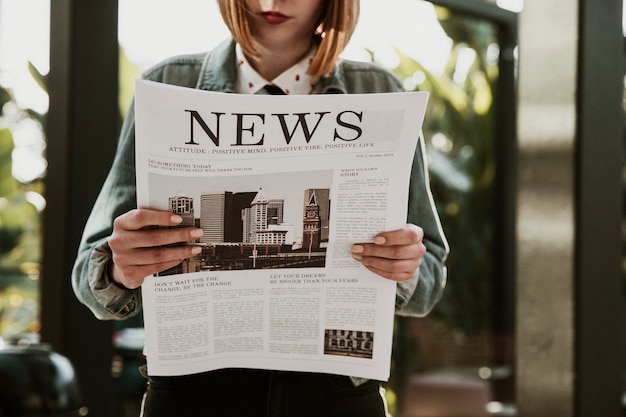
[
  {"x": 459, "y": 132},
  {"x": 128, "y": 72},
  {"x": 459, "y": 136},
  {"x": 20, "y": 220},
  {"x": 20, "y": 233}
]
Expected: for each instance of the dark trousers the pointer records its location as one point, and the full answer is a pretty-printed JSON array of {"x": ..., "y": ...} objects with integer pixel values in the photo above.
[{"x": 259, "y": 393}]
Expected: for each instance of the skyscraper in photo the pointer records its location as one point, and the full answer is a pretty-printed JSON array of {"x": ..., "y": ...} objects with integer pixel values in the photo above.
[
  {"x": 212, "y": 209},
  {"x": 220, "y": 215},
  {"x": 259, "y": 216}
]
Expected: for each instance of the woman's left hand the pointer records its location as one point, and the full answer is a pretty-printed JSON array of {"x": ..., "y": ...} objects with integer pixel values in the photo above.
[{"x": 395, "y": 255}]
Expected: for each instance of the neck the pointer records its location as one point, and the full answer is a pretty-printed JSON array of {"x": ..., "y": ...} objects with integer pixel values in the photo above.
[{"x": 273, "y": 61}]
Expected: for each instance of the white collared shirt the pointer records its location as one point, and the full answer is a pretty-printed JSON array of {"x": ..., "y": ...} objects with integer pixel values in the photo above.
[{"x": 294, "y": 80}]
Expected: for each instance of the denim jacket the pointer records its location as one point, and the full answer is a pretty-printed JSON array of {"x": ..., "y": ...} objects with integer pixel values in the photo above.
[{"x": 216, "y": 71}]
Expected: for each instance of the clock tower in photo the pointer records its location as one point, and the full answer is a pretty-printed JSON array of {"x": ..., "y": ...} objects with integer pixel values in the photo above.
[{"x": 311, "y": 224}]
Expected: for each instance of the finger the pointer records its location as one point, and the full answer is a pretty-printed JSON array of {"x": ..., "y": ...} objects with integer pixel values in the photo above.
[
  {"x": 392, "y": 266},
  {"x": 141, "y": 218},
  {"x": 148, "y": 238},
  {"x": 399, "y": 275},
  {"x": 408, "y": 235},
  {"x": 136, "y": 275},
  {"x": 365, "y": 250},
  {"x": 142, "y": 257},
  {"x": 131, "y": 275}
]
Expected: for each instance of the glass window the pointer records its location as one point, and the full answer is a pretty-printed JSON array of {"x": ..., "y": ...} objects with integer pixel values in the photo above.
[{"x": 24, "y": 44}]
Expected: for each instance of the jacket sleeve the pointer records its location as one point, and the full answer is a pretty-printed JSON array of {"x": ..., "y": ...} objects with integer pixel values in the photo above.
[
  {"x": 417, "y": 296},
  {"x": 90, "y": 278}
]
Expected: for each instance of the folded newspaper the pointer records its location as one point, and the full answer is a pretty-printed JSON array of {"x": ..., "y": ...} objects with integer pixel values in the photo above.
[{"x": 282, "y": 187}]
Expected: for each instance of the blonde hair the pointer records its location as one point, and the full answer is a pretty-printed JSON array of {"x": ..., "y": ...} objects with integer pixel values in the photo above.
[{"x": 335, "y": 29}]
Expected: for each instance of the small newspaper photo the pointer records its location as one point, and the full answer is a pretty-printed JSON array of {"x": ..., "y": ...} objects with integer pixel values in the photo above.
[{"x": 282, "y": 187}]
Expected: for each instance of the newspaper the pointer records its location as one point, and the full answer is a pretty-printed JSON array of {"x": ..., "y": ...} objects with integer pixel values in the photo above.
[{"x": 282, "y": 187}]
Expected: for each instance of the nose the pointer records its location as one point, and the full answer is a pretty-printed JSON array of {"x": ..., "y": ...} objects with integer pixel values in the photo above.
[{"x": 269, "y": 4}]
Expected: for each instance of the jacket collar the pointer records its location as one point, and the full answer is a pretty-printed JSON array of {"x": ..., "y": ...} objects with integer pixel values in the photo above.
[
  {"x": 219, "y": 69},
  {"x": 334, "y": 83},
  {"x": 219, "y": 72}
]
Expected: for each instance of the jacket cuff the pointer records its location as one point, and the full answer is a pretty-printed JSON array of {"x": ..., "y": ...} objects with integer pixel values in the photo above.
[
  {"x": 120, "y": 302},
  {"x": 404, "y": 292}
]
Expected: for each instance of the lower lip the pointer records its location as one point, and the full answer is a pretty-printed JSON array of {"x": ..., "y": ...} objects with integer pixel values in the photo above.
[{"x": 275, "y": 19}]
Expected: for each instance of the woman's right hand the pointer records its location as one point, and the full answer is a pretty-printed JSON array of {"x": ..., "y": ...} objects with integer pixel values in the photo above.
[{"x": 138, "y": 244}]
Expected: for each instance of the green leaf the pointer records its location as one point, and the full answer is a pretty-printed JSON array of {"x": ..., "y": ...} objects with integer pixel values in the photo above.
[
  {"x": 8, "y": 184},
  {"x": 128, "y": 73},
  {"x": 5, "y": 97},
  {"x": 40, "y": 79}
]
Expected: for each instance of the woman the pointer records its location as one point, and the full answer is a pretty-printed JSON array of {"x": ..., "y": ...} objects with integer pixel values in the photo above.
[{"x": 292, "y": 45}]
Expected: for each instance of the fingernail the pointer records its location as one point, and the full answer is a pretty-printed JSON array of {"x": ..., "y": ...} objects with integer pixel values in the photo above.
[
  {"x": 196, "y": 250},
  {"x": 197, "y": 232},
  {"x": 379, "y": 240},
  {"x": 357, "y": 256},
  {"x": 357, "y": 249},
  {"x": 176, "y": 219}
]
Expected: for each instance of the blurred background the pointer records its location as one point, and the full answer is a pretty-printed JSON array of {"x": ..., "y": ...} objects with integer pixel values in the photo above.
[{"x": 525, "y": 137}]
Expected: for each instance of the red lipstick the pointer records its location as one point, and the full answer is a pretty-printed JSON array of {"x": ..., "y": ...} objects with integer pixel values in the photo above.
[{"x": 274, "y": 18}]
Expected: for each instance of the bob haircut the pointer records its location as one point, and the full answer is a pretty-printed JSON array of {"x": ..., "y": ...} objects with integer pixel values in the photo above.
[{"x": 334, "y": 31}]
